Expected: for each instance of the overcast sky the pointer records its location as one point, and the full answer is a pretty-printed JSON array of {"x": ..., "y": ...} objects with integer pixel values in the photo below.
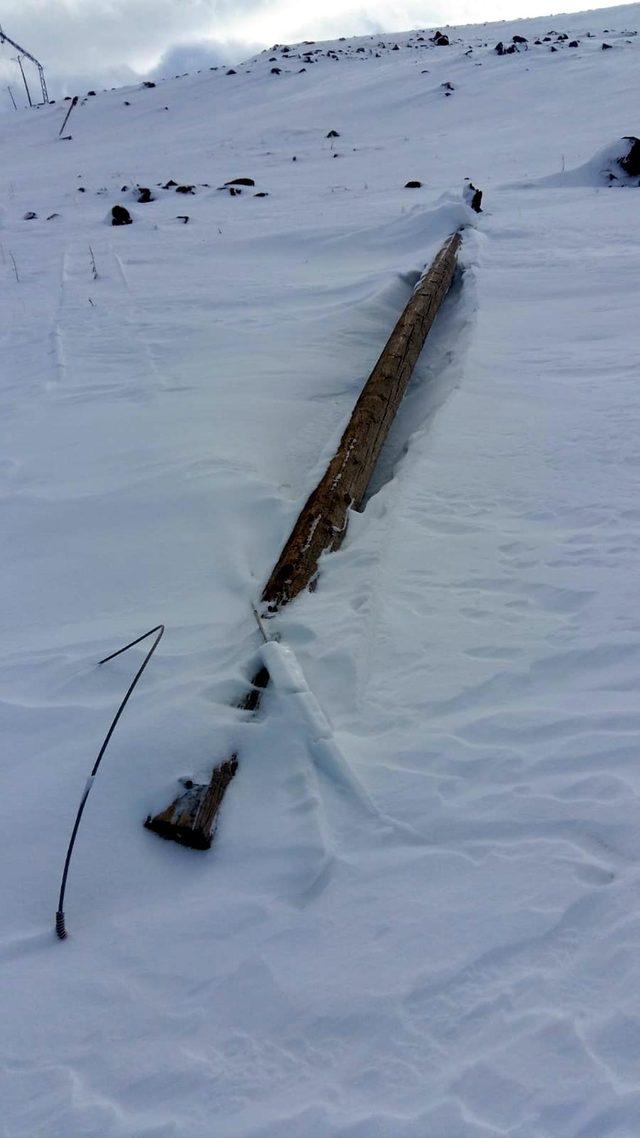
[{"x": 102, "y": 43}]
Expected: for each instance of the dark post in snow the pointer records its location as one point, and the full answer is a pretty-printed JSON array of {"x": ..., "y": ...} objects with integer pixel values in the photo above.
[
  {"x": 322, "y": 523},
  {"x": 72, "y": 104}
]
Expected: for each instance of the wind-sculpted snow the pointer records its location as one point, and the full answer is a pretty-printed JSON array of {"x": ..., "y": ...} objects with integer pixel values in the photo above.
[{"x": 419, "y": 918}]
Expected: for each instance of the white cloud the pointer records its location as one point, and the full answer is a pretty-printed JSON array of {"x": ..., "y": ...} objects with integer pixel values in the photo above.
[{"x": 200, "y": 54}]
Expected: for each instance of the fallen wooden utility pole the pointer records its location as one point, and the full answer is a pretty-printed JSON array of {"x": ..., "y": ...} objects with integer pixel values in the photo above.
[{"x": 322, "y": 523}]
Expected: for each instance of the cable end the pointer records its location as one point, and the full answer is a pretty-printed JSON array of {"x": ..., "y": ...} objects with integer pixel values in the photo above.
[{"x": 61, "y": 931}]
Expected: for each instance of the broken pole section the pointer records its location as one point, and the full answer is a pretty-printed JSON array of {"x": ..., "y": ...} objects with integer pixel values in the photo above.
[{"x": 322, "y": 523}]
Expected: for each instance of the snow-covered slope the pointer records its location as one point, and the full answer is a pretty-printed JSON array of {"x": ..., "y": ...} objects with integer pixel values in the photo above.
[{"x": 444, "y": 944}]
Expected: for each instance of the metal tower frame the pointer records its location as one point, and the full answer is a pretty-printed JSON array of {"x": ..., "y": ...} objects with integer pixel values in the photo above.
[{"x": 22, "y": 52}]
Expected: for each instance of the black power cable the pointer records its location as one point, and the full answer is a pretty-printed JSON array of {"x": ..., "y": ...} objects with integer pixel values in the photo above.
[{"x": 159, "y": 629}]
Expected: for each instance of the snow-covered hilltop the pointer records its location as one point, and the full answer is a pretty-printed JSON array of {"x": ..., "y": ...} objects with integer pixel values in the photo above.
[{"x": 444, "y": 944}]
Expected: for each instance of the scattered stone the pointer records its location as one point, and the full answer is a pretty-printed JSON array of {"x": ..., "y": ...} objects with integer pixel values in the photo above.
[
  {"x": 81, "y": 189},
  {"x": 30, "y": 215},
  {"x": 90, "y": 92},
  {"x": 185, "y": 189},
  {"x": 472, "y": 196},
  {"x": 440, "y": 40},
  {"x": 261, "y": 194},
  {"x": 518, "y": 39},
  {"x": 127, "y": 103},
  {"x": 148, "y": 83},
  {"x": 231, "y": 71},
  {"x": 413, "y": 185},
  {"x": 240, "y": 182},
  {"x": 120, "y": 216},
  {"x": 52, "y": 215},
  {"x": 447, "y": 86},
  {"x": 169, "y": 185},
  {"x": 606, "y": 47},
  {"x": 183, "y": 217},
  {"x": 276, "y": 71},
  {"x": 333, "y": 134},
  {"x": 144, "y": 195},
  {"x": 574, "y": 43},
  {"x": 631, "y": 161}
]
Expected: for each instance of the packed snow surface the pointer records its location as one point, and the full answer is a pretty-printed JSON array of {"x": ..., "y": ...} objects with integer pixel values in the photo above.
[{"x": 421, "y": 914}]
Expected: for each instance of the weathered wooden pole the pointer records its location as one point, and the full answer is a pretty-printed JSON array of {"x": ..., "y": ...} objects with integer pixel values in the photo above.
[{"x": 322, "y": 523}]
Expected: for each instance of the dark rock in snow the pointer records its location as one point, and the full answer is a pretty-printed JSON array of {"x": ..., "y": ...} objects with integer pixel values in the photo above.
[
  {"x": 120, "y": 216},
  {"x": 631, "y": 161},
  {"x": 185, "y": 189},
  {"x": 148, "y": 83},
  {"x": 30, "y": 215},
  {"x": 499, "y": 48},
  {"x": 144, "y": 195},
  {"x": 261, "y": 194},
  {"x": 240, "y": 182},
  {"x": 440, "y": 40},
  {"x": 472, "y": 196},
  {"x": 606, "y": 47},
  {"x": 183, "y": 217},
  {"x": 574, "y": 43},
  {"x": 518, "y": 39},
  {"x": 276, "y": 71},
  {"x": 170, "y": 184},
  {"x": 333, "y": 134},
  {"x": 231, "y": 71},
  {"x": 413, "y": 185}
]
